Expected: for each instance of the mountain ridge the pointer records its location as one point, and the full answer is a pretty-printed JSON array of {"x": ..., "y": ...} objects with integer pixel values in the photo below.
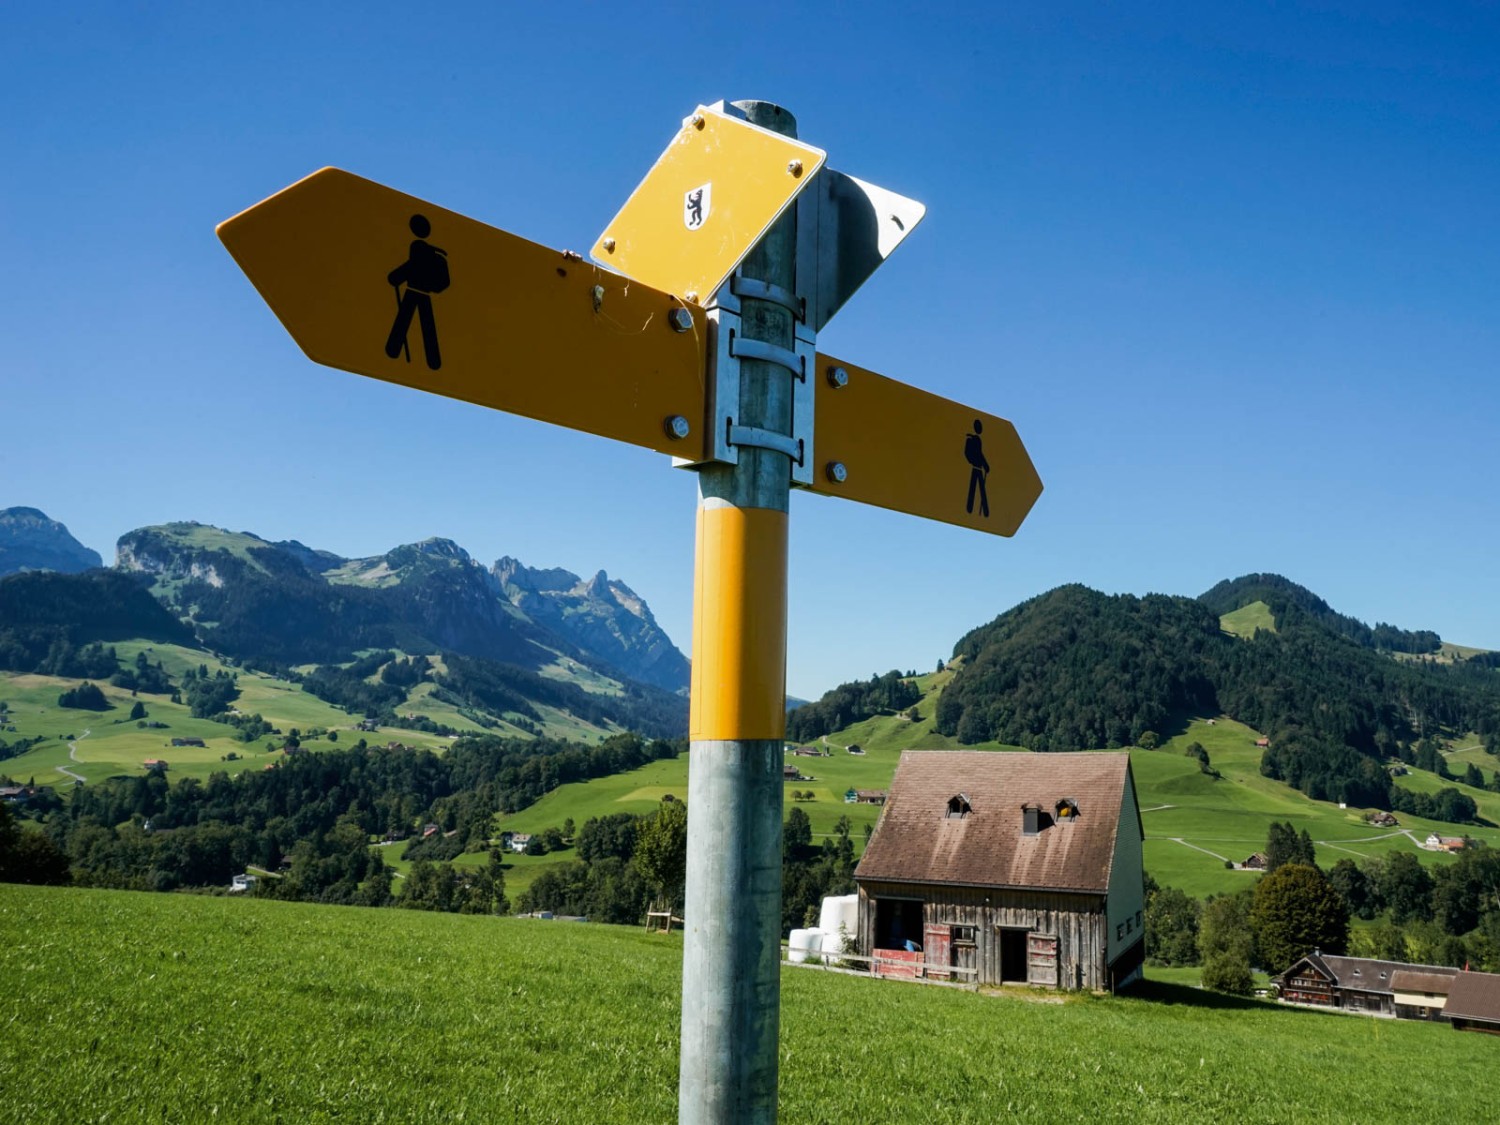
[{"x": 31, "y": 540}]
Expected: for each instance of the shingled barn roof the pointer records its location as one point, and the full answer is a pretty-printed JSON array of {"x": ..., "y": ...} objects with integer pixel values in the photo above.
[
  {"x": 1475, "y": 996},
  {"x": 917, "y": 841},
  {"x": 1409, "y": 980}
]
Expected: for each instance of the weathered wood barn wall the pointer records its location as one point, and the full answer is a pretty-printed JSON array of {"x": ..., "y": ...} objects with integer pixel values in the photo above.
[{"x": 1076, "y": 922}]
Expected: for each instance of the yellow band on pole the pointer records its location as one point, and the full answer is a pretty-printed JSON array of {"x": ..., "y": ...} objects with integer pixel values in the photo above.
[{"x": 739, "y": 624}]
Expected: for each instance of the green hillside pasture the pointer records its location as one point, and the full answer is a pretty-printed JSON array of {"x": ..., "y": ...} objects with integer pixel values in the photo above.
[
  {"x": 1191, "y": 820},
  {"x": 137, "y": 1007},
  {"x": 892, "y": 734},
  {"x": 1248, "y": 619},
  {"x": 1446, "y": 654},
  {"x": 641, "y": 790},
  {"x": 115, "y": 745},
  {"x": 1470, "y": 748},
  {"x": 105, "y": 747}
]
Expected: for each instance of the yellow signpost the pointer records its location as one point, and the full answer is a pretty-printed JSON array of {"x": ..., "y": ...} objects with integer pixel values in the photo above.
[
  {"x": 382, "y": 284},
  {"x": 894, "y": 446},
  {"x": 706, "y": 202}
]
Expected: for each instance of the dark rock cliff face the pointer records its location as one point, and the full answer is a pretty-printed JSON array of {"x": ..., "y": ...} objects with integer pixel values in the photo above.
[
  {"x": 31, "y": 541},
  {"x": 602, "y": 616}
]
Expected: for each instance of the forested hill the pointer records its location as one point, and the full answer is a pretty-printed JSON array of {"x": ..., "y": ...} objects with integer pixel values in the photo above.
[
  {"x": 54, "y": 623},
  {"x": 1290, "y": 604},
  {"x": 1076, "y": 669}
]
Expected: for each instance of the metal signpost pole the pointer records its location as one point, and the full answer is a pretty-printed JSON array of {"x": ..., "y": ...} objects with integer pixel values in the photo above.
[{"x": 732, "y": 936}]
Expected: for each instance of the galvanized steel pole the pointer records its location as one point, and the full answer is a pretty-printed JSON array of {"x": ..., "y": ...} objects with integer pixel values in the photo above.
[{"x": 731, "y": 991}]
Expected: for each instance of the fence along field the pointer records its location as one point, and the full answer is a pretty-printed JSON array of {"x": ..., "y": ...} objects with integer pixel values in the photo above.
[{"x": 132, "y": 1007}]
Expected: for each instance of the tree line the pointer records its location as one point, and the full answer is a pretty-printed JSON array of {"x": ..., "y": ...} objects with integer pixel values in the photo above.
[{"x": 311, "y": 818}]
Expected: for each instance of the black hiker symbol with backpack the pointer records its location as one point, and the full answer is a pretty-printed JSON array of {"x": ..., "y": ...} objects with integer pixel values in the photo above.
[
  {"x": 979, "y": 469},
  {"x": 424, "y": 273}
]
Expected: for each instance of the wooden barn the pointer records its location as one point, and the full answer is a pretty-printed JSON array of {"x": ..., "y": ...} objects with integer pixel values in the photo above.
[{"x": 1026, "y": 867}]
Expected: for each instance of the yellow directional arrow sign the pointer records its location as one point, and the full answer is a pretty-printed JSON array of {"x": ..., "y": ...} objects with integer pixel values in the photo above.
[
  {"x": 705, "y": 203},
  {"x": 885, "y": 443},
  {"x": 372, "y": 281}
]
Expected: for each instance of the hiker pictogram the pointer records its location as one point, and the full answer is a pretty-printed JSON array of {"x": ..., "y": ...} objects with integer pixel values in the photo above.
[
  {"x": 974, "y": 454},
  {"x": 424, "y": 273}
]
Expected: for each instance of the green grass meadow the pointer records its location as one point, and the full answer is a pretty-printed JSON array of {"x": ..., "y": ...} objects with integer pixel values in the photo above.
[
  {"x": 133, "y": 1007},
  {"x": 1248, "y": 619},
  {"x": 114, "y": 745}
]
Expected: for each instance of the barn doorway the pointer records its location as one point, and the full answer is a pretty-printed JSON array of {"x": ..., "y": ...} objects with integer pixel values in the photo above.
[
  {"x": 897, "y": 921},
  {"x": 1013, "y": 956}
]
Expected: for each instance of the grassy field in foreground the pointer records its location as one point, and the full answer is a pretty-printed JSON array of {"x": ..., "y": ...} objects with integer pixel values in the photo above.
[{"x": 137, "y": 1007}]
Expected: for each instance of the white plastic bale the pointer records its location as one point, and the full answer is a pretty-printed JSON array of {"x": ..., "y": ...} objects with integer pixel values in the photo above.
[
  {"x": 839, "y": 910},
  {"x": 802, "y": 945}
]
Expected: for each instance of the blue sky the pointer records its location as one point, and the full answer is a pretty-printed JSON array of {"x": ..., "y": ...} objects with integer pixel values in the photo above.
[{"x": 1231, "y": 270}]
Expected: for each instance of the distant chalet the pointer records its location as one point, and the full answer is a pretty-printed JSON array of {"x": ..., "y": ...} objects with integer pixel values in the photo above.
[
  {"x": 1024, "y": 867},
  {"x": 1391, "y": 988}
]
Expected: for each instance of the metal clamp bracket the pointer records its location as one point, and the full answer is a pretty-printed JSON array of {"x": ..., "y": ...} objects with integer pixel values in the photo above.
[
  {"x": 758, "y": 438},
  {"x": 726, "y": 349},
  {"x": 758, "y": 290},
  {"x": 793, "y": 361}
]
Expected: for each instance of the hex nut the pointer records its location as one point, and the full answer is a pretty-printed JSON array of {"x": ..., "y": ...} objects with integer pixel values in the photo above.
[
  {"x": 680, "y": 319},
  {"x": 837, "y": 472},
  {"x": 838, "y": 377},
  {"x": 677, "y": 427},
  {"x": 609, "y": 245}
]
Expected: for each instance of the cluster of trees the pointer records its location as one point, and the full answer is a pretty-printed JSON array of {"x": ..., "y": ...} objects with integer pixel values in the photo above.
[
  {"x": 626, "y": 865},
  {"x": 143, "y": 676},
  {"x": 209, "y": 694},
  {"x": 851, "y": 703},
  {"x": 85, "y": 697},
  {"x": 440, "y": 886},
  {"x": 28, "y": 856},
  {"x": 349, "y": 686},
  {"x": 1289, "y": 912}
]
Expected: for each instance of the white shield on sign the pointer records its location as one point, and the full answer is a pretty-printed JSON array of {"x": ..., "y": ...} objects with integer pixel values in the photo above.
[{"x": 695, "y": 205}]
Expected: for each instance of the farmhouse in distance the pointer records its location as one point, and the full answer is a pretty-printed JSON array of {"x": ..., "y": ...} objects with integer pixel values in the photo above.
[{"x": 1024, "y": 868}]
